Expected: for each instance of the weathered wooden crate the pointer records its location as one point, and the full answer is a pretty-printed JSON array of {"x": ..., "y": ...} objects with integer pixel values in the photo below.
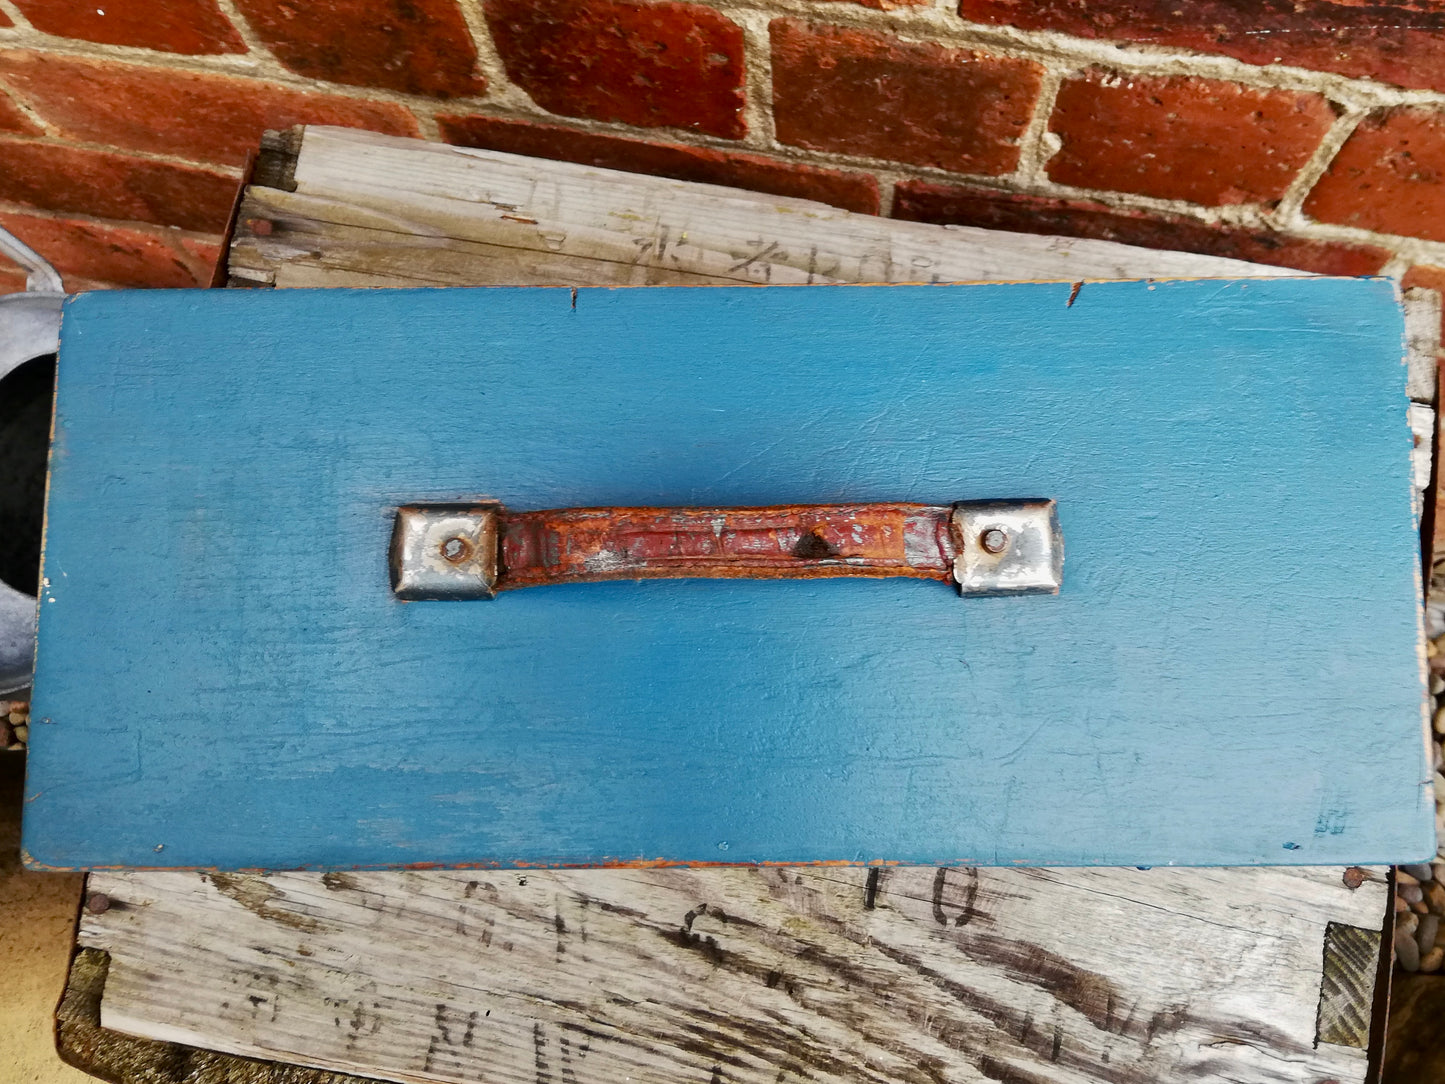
[{"x": 886, "y": 974}]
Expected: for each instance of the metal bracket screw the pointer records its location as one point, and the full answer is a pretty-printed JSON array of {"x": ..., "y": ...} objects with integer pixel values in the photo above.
[{"x": 994, "y": 540}]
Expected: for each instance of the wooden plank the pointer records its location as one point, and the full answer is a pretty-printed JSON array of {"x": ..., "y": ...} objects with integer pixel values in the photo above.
[
  {"x": 352, "y": 186},
  {"x": 741, "y": 974},
  {"x": 880, "y": 720},
  {"x": 125, "y": 1059}
]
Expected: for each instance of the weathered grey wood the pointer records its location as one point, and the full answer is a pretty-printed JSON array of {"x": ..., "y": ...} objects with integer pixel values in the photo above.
[
  {"x": 739, "y": 974},
  {"x": 403, "y": 186},
  {"x": 606, "y": 975}
]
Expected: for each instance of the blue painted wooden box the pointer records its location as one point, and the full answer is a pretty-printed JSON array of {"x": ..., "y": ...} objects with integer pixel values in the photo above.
[{"x": 1232, "y": 672}]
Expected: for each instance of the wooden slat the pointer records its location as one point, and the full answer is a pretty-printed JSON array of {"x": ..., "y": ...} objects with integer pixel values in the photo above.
[
  {"x": 739, "y": 974},
  {"x": 352, "y": 187}
]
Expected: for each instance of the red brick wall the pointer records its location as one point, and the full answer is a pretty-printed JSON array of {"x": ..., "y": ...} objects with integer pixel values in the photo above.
[{"x": 1308, "y": 133}]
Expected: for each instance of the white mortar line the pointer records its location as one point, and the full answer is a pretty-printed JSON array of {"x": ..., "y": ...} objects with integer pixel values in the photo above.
[
  {"x": 1037, "y": 145},
  {"x": 501, "y": 91},
  {"x": 888, "y": 191},
  {"x": 1287, "y": 212},
  {"x": 757, "y": 79},
  {"x": 1395, "y": 267},
  {"x": 26, "y": 110},
  {"x": 243, "y": 28}
]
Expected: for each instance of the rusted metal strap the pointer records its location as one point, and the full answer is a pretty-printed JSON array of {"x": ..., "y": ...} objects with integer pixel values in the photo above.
[
  {"x": 477, "y": 550},
  {"x": 796, "y": 542}
]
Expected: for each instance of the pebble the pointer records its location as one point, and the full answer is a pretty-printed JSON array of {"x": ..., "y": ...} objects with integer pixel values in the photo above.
[
  {"x": 1435, "y": 896},
  {"x": 1440, "y": 720},
  {"x": 1407, "y": 952},
  {"x": 1407, "y": 924},
  {"x": 1413, "y": 893},
  {"x": 19, "y": 717},
  {"x": 1400, "y": 905},
  {"x": 22, "y": 733},
  {"x": 1420, "y": 871},
  {"x": 1432, "y": 960},
  {"x": 5, "y": 736},
  {"x": 1403, "y": 878},
  {"x": 1427, "y": 933},
  {"x": 1420, "y": 908}
]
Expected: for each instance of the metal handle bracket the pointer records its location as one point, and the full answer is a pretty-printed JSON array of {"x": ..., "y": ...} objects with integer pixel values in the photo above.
[{"x": 476, "y": 550}]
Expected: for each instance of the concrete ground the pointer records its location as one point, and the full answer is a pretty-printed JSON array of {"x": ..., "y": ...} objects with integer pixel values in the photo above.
[{"x": 37, "y": 925}]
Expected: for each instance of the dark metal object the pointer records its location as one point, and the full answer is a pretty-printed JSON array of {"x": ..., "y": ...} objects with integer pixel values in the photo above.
[
  {"x": 29, "y": 329},
  {"x": 469, "y": 551},
  {"x": 97, "y": 903}
]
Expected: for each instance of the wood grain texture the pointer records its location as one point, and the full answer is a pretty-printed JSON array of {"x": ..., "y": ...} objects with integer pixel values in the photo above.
[
  {"x": 612, "y": 722},
  {"x": 127, "y": 1059},
  {"x": 378, "y": 210},
  {"x": 741, "y": 975},
  {"x": 1347, "y": 990}
]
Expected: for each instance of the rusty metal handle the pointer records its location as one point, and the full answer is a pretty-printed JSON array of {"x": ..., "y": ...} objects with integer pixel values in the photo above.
[{"x": 465, "y": 551}]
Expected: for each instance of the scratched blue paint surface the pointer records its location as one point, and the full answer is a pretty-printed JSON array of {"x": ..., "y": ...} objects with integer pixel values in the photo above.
[{"x": 1230, "y": 674}]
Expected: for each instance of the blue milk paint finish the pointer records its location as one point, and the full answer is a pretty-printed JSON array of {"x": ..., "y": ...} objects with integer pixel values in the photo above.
[{"x": 1230, "y": 675}]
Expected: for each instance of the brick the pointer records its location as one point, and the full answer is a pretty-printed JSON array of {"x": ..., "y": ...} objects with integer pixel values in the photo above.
[
  {"x": 1425, "y": 278},
  {"x": 920, "y": 201},
  {"x": 651, "y": 65},
  {"x": 57, "y": 177},
  {"x": 12, "y": 280},
  {"x": 414, "y": 46},
  {"x": 171, "y": 26},
  {"x": 5, "y": 20},
  {"x": 13, "y": 119},
  {"x": 1400, "y": 43},
  {"x": 885, "y": 5},
  {"x": 860, "y": 92},
  {"x": 123, "y": 255},
  {"x": 841, "y": 188},
  {"x": 1388, "y": 177},
  {"x": 210, "y": 118},
  {"x": 1185, "y": 138}
]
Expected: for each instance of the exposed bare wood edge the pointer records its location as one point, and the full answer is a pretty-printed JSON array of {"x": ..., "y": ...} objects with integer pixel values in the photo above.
[
  {"x": 1422, "y": 343},
  {"x": 1347, "y": 992},
  {"x": 276, "y": 160},
  {"x": 124, "y": 1059}
]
